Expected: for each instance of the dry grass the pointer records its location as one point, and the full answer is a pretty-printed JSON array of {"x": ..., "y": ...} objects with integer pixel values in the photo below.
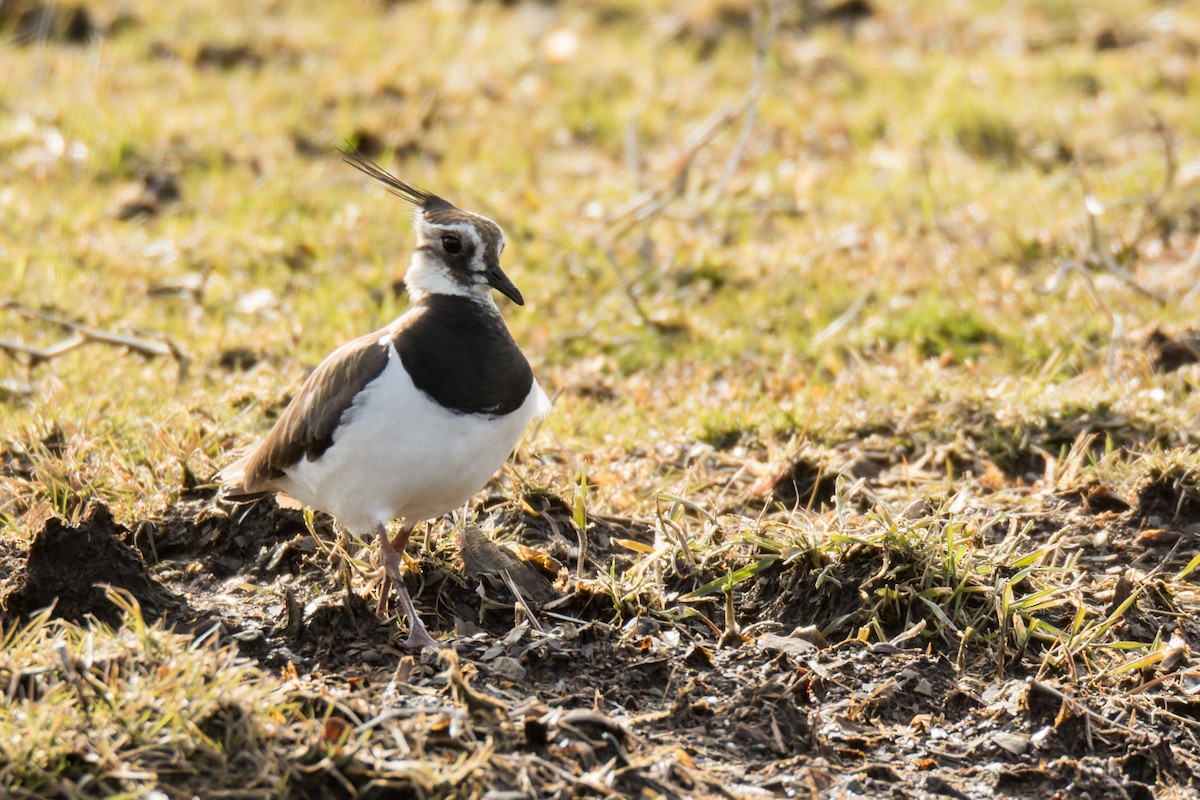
[{"x": 882, "y": 325}]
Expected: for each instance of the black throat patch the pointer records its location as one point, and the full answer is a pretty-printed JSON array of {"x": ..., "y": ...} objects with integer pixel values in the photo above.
[{"x": 460, "y": 353}]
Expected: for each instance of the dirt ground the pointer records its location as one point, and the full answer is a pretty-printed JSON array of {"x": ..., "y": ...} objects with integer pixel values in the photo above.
[{"x": 562, "y": 700}]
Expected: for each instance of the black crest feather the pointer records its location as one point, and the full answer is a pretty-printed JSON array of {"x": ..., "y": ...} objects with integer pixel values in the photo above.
[{"x": 426, "y": 200}]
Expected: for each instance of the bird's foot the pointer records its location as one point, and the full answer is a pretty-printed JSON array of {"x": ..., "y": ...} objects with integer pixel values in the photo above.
[
  {"x": 382, "y": 607},
  {"x": 418, "y": 635},
  {"x": 390, "y": 557},
  {"x": 420, "y": 639}
]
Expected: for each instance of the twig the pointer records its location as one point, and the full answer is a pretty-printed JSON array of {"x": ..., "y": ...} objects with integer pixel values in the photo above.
[
  {"x": 844, "y": 319},
  {"x": 627, "y": 287},
  {"x": 64, "y": 658},
  {"x": 1162, "y": 712},
  {"x": 1065, "y": 698},
  {"x": 1158, "y": 681},
  {"x": 762, "y": 46},
  {"x": 684, "y": 545},
  {"x": 633, "y": 162},
  {"x": 1192, "y": 266},
  {"x": 1098, "y": 250},
  {"x": 1065, "y": 268},
  {"x": 649, "y": 203},
  {"x": 1193, "y": 262},
  {"x": 1151, "y": 207},
  {"x": 81, "y": 335},
  {"x": 521, "y": 602},
  {"x": 652, "y": 201},
  {"x": 477, "y": 703},
  {"x": 37, "y": 355}
]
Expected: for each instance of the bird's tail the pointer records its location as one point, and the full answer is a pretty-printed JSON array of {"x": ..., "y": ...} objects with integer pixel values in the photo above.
[{"x": 232, "y": 478}]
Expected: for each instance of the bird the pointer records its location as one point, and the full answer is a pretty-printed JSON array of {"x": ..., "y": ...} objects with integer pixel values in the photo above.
[{"x": 410, "y": 421}]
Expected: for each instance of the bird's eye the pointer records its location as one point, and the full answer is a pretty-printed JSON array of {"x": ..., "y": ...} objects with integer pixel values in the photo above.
[{"x": 451, "y": 245}]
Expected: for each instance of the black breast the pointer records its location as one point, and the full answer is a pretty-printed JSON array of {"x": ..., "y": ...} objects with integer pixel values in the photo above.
[{"x": 460, "y": 353}]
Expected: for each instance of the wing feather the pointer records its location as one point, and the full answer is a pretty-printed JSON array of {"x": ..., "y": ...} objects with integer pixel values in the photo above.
[{"x": 307, "y": 425}]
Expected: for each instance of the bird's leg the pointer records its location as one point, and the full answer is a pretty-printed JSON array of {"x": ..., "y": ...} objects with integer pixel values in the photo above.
[
  {"x": 400, "y": 545},
  {"x": 418, "y": 636},
  {"x": 385, "y": 582},
  {"x": 392, "y": 553}
]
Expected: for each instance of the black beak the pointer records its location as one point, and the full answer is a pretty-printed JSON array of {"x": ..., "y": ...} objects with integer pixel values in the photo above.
[{"x": 500, "y": 282}]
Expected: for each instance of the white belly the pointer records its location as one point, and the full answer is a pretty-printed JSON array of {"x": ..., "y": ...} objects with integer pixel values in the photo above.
[{"x": 405, "y": 457}]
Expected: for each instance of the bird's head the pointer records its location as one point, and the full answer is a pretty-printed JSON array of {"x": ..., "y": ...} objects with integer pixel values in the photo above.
[{"x": 458, "y": 252}]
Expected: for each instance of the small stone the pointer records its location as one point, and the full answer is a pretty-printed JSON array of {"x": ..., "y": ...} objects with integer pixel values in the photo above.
[
  {"x": 249, "y": 635},
  {"x": 1012, "y": 742},
  {"x": 508, "y": 667}
]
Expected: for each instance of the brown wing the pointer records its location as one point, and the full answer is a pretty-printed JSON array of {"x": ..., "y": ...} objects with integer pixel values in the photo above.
[{"x": 305, "y": 430}]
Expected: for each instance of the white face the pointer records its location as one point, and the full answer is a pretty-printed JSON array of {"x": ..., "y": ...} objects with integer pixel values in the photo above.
[
  {"x": 454, "y": 254},
  {"x": 457, "y": 252}
]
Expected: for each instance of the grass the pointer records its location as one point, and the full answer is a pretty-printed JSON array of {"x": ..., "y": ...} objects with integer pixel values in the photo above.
[
  {"x": 872, "y": 298},
  {"x": 101, "y": 711}
]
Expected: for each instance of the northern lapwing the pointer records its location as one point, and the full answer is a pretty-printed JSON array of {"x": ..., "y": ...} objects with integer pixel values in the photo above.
[{"x": 410, "y": 421}]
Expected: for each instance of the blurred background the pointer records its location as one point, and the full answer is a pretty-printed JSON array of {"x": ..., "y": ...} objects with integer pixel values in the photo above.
[{"x": 734, "y": 221}]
